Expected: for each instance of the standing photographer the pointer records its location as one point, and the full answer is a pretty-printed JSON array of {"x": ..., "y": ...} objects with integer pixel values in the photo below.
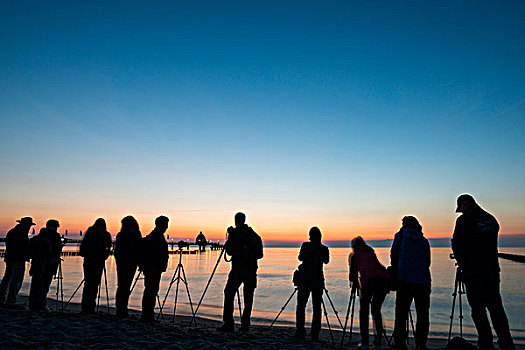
[
  {"x": 245, "y": 247},
  {"x": 475, "y": 246},
  {"x": 313, "y": 254}
]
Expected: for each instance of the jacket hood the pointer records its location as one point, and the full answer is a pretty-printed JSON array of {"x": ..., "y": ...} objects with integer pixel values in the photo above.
[{"x": 411, "y": 233}]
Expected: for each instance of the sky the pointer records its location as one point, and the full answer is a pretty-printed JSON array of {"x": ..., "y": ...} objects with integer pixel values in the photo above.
[{"x": 347, "y": 115}]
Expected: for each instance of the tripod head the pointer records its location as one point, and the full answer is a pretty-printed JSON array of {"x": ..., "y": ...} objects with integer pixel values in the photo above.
[{"x": 181, "y": 244}]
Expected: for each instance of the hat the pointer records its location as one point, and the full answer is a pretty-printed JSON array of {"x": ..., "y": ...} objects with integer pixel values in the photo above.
[
  {"x": 52, "y": 223},
  {"x": 464, "y": 198},
  {"x": 26, "y": 221}
]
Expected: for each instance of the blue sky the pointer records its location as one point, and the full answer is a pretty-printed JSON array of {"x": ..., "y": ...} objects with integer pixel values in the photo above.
[{"x": 346, "y": 115}]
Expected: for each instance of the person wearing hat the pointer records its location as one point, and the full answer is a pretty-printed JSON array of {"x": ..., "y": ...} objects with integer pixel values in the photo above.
[
  {"x": 16, "y": 255},
  {"x": 475, "y": 247},
  {"x": 153, "y": 262},
  {"x": 45, "y": 249}
]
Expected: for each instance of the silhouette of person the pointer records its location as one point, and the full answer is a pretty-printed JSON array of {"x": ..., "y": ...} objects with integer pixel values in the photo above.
[
  {"x": 16, "y": 255},
  {"x": 95, "y": 248},
  {"x": 245, "y": 247},
  {"x": 475, "y": 247},
  {"x": 126, "y": 257},
  {"x": 153, "y": 262},
  {"x": 410, "y": 256},
  {"x": 373, "y": 286},
  {"x": 45, "y": 249},
  {"x": 201, "y": 241},
  {"x": 313, "y": 255}
]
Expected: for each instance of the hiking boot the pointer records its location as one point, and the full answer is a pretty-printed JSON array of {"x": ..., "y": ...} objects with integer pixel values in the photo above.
[
  {"x": 245, "y": 329},
  {"x": 299, "y": 335},
  {"x": 226, "y": 328},
  {"x": 315, "y": 337}
]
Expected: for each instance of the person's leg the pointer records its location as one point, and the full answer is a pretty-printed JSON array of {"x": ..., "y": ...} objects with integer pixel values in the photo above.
[
  {"x": 19, "y": 269},
  {"x": 364, "y": 311},
  {"x": 250, "y": 283},
  {"x": 378, "y": 297},
  {"x": 422, "y": 301},
  {"x": 317, "y": 299},
  {"x": 151, "y": 289},
  {"x": 303, "y": 293},
  {"x": 232, "y": 285},
  {"x": 92, "y": 276},
  {"x": 403, "y": 300},
  {"x": 125, "y": 276},
  {"x": 497, "y": 312},
  {"x": 46, "y": 280},
  {"x": 475, "y": 288},
  {"x": 6, "y": 281}
]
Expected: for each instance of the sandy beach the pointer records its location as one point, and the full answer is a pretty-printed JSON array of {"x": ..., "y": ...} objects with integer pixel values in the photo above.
[{"x": 22, "y": 329}]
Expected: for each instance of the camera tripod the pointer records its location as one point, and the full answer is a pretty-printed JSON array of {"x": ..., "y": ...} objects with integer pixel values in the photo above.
[
  {"x": 177, "y": 278},
  {"x": 133, "y": 287},
  {"x": 324, "y": 311},
  {"x": 193, "y": 319},
  {"x": 99, "y": 289},
  {"x": 60, "y": 286},
  {"x": 351, "y": 306},
  {"x": 459, "y": 290}
]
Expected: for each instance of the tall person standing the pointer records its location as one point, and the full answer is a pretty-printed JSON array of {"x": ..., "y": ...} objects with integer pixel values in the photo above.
[
  {"x": 126, "y": 257},
  {"x": 95, "y": 248},
  {"x": 153, "y": 262},
  {"x": 313, "y": 255},
  {"x": 245, "y": 247},
  {"x": 410, "y": 256},
  {"x": 475, "y": 247},
  {"x": 16, "y": 255}
]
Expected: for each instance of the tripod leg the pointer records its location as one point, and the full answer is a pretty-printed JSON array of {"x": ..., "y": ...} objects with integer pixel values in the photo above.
[
  {"x": 98, "y": 296},
  {"x": 284, "y": 307},
  {"x": 328, "y": 322},
  {"x": 134, "y": 283},
  {"x": 107, "y": 292},
  {"x": 412, "y": 323},
  {"x": 239, "y": 303},
  {"x": 351, "y": 301},
  {"x": 461, "y": 290},
  {"x": 176, "y": 293},
  {"x": 188, "y": 291},
  {"x": 206, "y": 288},
  {"x": 454, "y": 294},
  {"x": 333, "y": 308},
  {"x": 352, "y": 316},
  {"x": 168, "y": 291},
  {"x": 75, "y": 292}
]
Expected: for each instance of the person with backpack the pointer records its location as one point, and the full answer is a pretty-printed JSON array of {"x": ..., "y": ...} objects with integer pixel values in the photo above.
[
  {"x": 16, "y": 255},
  {"x": 410, "y": 257},
  {"x": 245, "y": 247},
  {"x": 373, "y": 280},
  {"x": 313, "y": 255},
  {"x": 95, "y": 249},
  {"x": 475, "y": 247},
  {"x": 45, "y": 249},
  {"x": 153, "y": 262},
  {"x": 126, "y": 257}
]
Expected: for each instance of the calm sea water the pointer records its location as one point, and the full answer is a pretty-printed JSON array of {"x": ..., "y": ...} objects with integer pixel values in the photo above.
[{"x": 275, "y": 287}]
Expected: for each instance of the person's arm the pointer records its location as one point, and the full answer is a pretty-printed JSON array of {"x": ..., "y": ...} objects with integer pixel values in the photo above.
[
  {"x": 394, "y": 251},
  {"x": 326, "y": 255},
  {"x": 259, "y": 248},
  {"x": 302, "y": 252},
  {"x": 352, "y": 268},
  {"x": 458, "y": 239}
]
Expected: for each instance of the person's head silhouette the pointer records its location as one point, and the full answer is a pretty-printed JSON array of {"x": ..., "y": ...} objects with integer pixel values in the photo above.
[
  {"x": 240, "y": 219},
  {"x": 100, "y": 224},
  {"x": 52, "y": 224},
  {"x": 465, "y": 202},
  {"x": 315, "y": 235},
  {"x": 411, "y": 222},
  {"x": 161, "y": 223},
  {"x": 129, "y": 224},
  {"x": 357, "y": 242}
]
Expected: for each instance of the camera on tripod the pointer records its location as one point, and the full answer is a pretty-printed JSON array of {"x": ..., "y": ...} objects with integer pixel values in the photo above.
[{"x": 182, "y": 245}]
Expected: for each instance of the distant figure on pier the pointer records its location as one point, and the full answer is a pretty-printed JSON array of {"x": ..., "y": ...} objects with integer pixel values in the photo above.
[
  {"x": 153, "y": 262},
  {"x": 313, "y": 255},
  {"x": 245, "y": 247},
  {"x": 373, "y": 281},
  {"x": 475, "y": 246},
  {"x": 16, "y": 255},
  {"x": 126, "y": 257},
  {"x": 410, "y": 257},
  {"x": 95, "y": 248},
  {"x": 201, "y": 241},
  {"x": 45, "y": 249}
]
